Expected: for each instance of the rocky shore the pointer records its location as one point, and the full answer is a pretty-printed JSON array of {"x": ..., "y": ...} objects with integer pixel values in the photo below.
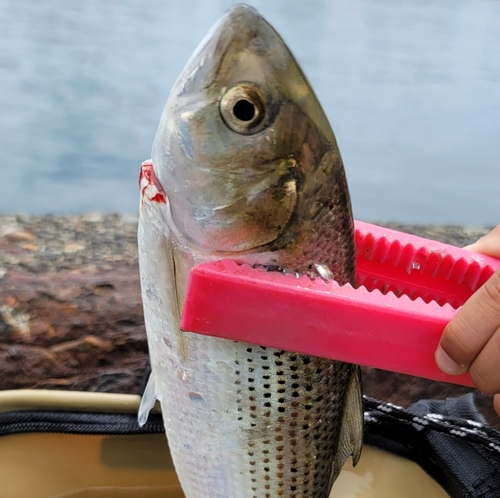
[{"x": 71, "y": 316}]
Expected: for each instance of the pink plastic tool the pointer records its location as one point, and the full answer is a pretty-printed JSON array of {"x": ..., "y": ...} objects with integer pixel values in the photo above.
[{"x": 409, "y": 288}]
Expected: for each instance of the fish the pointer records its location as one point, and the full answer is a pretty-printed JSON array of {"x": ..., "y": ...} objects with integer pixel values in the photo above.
[{"x": 245, "y": 166}]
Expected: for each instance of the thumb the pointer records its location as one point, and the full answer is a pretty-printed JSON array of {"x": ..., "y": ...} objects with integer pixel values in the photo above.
[{"x": 489, "y": 244}]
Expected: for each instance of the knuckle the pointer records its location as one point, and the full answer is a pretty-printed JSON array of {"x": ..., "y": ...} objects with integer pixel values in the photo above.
[
  {"x": 492, "y": 290},
  {"x": 456, "y": 341},
  {"x": 496, "y": 404},
  {"x": 484, "y": 371},
  {"x": 481, "y": 381}
]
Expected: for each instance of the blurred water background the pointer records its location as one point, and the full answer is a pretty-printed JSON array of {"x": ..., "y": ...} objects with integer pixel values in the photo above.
[{"x": 411, "y": 87}]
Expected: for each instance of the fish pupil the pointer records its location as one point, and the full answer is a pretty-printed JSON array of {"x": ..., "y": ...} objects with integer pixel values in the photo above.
[{"x": 244, "y": 110}]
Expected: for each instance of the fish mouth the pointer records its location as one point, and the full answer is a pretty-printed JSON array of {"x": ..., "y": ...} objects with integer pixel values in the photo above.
[
  {"x": 242, "y": 28},
  {"x": 242, "y": 11}
]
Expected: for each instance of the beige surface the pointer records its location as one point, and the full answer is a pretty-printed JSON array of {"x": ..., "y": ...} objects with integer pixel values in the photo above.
[
  {"x": 61, "y": 465},
  {"x": 39, "y": 399},
  {"x": 71, "y": 466},
  {"x": 382, "y": 475},
  {"x": 75, "y": 466}
]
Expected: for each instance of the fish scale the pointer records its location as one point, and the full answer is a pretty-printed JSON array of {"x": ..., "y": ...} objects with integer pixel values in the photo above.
[{"x": 245, "y": 421}]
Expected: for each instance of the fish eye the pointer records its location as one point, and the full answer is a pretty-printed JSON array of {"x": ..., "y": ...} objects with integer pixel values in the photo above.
[{"x": 243, "y": 109}]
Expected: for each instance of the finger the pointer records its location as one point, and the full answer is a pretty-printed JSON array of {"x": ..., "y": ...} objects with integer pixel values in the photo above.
[
  {"x": 489, "y": 244},
  {"x": 471, "y": 328},
  {"x": 484, "y": 370},
  {"x": 496, "y": 403}
]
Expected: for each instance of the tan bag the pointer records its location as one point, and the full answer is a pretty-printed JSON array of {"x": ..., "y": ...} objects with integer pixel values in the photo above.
[{"x": 56, "y": 444}]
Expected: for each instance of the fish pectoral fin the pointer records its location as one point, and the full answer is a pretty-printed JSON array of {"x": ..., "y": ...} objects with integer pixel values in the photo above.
[
  {"x": 351, "y": 434},
  {"x": 148, "y": 401}
]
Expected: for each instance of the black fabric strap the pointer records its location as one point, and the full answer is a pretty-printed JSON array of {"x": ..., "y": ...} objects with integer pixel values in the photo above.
[
  {"x": 76, "y": 423},
  {"x": 449, "y": 439}
]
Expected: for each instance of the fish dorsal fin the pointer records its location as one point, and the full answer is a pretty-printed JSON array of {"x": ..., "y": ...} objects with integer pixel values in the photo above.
[
  {"x": 148, "y": 401},
  {"x": 351, "y": 434}
]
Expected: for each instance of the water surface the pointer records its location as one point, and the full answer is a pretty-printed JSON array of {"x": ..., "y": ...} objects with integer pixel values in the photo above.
[{"x": 412, "y": 89}]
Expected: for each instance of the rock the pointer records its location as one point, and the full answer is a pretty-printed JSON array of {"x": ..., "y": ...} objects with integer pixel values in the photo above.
[{"x": 73, "y": 330}]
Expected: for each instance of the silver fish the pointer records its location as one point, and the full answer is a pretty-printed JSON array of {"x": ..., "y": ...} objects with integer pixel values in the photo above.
[{"x": 245, "y": 166}]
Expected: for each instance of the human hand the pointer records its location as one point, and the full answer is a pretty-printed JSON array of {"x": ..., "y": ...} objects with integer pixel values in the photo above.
[{"x": 471, "y": 341}]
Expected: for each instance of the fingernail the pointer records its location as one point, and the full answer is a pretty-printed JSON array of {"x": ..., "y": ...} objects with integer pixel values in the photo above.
[{"x": 446, "y": 364}]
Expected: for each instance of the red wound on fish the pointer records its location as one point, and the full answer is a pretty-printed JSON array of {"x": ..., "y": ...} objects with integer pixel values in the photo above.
[{"x": 150, "y": 185}]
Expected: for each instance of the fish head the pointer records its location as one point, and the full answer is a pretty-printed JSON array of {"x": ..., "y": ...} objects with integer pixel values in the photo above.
[{"x": 241, "y": 139}]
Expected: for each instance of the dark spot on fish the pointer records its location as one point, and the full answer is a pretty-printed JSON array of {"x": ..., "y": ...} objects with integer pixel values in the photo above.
[{"x": 196, "y": 398}]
